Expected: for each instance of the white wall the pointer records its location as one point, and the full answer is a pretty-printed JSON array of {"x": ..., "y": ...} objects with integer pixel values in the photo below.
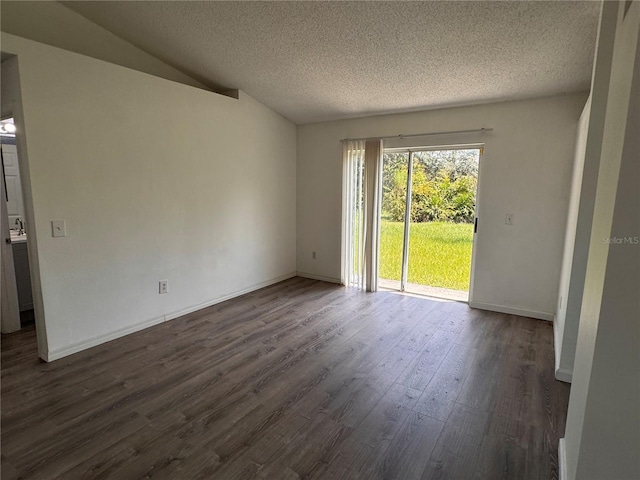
[
  {"x": 52, "y": 23},
  {"x": 583, "y": 193},
  {"x": 526, "y": 170},
  {"x": 602, "y": 437},
  {"x": 564, "y": 364},
  {"x": 8, "y": 84},
  {"x": 155, "y": 180}
]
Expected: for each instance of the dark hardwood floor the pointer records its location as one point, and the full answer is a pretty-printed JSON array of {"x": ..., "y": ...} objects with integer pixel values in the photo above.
[{"x": 302, "y": 379}]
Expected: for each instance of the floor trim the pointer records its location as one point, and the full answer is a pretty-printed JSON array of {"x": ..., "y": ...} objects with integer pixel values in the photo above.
[
  {"x": 511, "y": 310},
  {"x": 313, "y": 276},
  {"x": 224, "y": 298},
  {"x": 562, "y": 459},
  {"x": 107, "y": 337},
  {"x": 100, "y": 339},
  {"x": 562, "y": 374},
  {"x": 557, "y": 347}
]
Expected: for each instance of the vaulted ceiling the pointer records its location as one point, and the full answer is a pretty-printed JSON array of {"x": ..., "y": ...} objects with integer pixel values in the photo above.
[{"x": 313, "y": 61}]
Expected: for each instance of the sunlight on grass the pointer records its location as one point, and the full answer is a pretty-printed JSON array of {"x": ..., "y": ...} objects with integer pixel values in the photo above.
[{"x": 439, "y": 253}]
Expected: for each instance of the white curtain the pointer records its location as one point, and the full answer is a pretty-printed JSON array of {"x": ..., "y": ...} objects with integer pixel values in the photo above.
[{"x": 362, "y": 185}]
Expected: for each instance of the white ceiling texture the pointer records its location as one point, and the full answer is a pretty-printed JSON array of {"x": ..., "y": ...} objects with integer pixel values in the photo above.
[{"x": 312, "y": 61}]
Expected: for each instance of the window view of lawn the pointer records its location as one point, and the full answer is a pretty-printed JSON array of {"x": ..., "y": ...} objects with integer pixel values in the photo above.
[{"x": 440, "y": 253}]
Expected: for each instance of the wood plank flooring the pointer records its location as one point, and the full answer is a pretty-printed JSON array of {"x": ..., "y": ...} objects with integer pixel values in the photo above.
[{"x": 302, "y": 379}]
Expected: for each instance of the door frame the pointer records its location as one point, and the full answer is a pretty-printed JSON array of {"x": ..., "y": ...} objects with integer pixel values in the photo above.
[
  {"x": 411, "y": 150},
  {"x": 14, "y": 108}
]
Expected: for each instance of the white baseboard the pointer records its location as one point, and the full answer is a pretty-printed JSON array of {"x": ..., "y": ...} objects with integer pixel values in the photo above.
[
  {"x": 92, "y": 342},
  {"x": 562, "y": 374},
  {"x": 562, "y": 460},
  {"x": 100, "y": 339},
  {"x": 224, "y": 298},
  {"x": 511, "y": 310},
  {"x": 318, "y": 277},
  {"x": 556, "y": 342}
]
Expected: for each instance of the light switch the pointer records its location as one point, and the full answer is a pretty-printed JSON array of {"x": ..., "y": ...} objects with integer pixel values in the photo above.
[{"x": 58, "y": 228}]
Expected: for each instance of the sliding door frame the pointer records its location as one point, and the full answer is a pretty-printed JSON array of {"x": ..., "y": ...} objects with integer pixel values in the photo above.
[
  {"x": 404, "y": 269},
  {"x": 407, "y": 217}
]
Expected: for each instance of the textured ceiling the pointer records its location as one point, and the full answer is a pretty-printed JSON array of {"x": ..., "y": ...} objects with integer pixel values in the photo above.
[{"x": 313, "y": 61}]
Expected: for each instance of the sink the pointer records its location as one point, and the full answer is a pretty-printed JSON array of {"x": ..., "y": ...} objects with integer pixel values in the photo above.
[{"x": 15, "y": 238}]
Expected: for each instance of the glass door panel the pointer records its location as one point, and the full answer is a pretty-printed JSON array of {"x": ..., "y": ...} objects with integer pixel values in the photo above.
[
  {"x": 394, "y": 197},
  {"x": 443, "y": 188}
]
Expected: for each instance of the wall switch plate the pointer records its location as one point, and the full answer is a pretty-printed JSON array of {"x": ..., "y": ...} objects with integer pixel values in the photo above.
[
  {"x": 163, "y": 286},
  {"x": 508, "y": 219},
  {"x": 58, "y": 228}
]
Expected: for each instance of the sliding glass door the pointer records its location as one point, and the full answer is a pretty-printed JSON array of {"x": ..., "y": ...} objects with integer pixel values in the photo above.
[
  {"x": 392, "y": 224},
  {"x": 428, "y": 220}
]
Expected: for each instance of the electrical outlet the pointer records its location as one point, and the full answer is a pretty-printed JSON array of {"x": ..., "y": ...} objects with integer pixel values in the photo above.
[
  {"x": 508, "y": 219},
  {"x": 313, "y": 255},
  {"x": 163, "y": 286}
]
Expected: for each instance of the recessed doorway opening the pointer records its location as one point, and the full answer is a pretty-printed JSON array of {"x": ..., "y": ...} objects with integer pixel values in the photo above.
[
  {"x": 21, "y": 296},
  {"x": 428, "y": 220},
  {"x": 17, "y": 293}
]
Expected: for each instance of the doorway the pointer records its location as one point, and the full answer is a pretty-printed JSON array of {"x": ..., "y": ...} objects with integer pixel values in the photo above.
[
  {"x": 16, "y": 270},
  {"x": 428, "y": 220},
  {"x": 12, "y": 130}
]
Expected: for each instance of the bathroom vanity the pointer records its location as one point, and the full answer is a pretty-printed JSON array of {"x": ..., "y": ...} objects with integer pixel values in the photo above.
[{"x": 21, "y": 265}]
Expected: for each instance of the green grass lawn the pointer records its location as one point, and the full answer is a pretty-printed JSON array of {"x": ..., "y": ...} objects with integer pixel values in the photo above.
[{"x": 439, "y": 253}]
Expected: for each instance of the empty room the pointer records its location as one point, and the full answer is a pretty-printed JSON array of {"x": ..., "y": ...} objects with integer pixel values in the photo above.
[{"x": 320, "y": 240}]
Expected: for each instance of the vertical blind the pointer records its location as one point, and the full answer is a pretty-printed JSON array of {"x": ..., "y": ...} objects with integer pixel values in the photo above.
[
  {"x": 362, "y": 184},
  {"x": 353, "y": 214}
]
